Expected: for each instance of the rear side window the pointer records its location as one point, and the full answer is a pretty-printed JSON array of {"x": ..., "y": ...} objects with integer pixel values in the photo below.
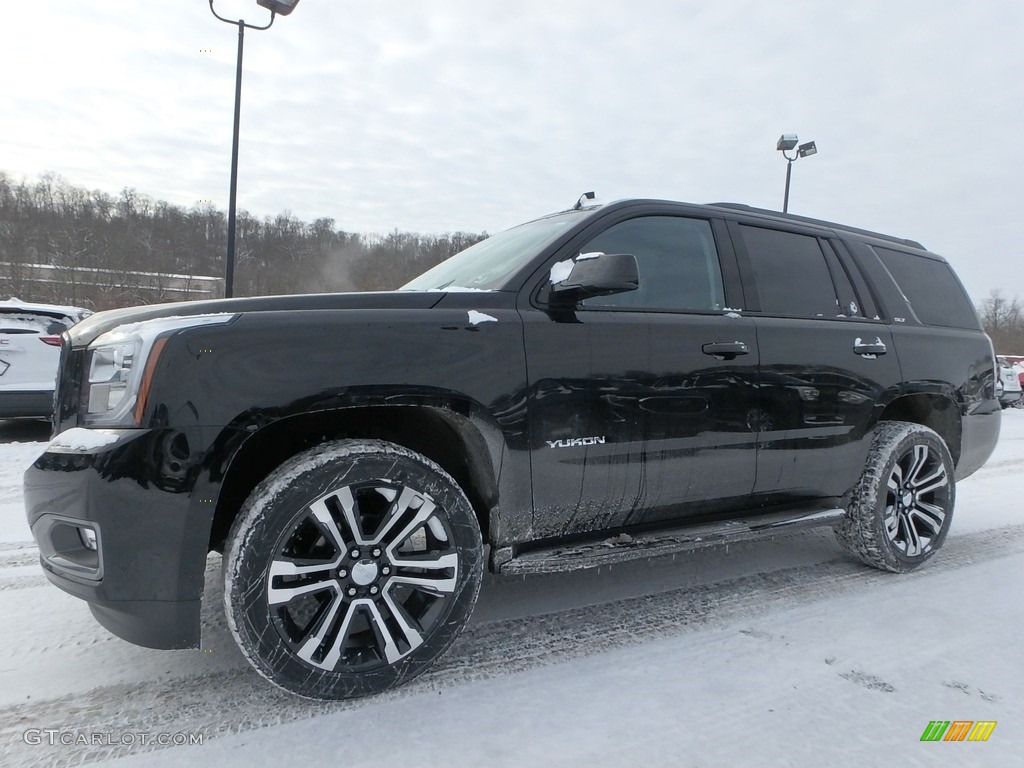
[
  {"x": 932, "y": 289},
  {"x": 792, "y": 275}
]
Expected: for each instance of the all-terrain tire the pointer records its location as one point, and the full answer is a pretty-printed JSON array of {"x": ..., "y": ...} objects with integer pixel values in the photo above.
[
  {"x": 350, "y": 569},
  {"x": 899, "y": 512}
]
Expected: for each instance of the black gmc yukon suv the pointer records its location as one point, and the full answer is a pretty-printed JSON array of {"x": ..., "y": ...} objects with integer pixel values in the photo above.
[{"x": 606, "y": 383}]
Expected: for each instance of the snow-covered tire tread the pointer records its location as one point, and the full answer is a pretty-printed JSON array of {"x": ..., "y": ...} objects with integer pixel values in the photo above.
[{"x": 862, "y": 530}]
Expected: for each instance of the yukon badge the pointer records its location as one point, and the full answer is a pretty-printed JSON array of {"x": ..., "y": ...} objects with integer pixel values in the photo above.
[{"x": 573, "y": 442}]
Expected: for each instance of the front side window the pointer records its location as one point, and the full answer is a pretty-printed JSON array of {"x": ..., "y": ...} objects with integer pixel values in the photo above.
[
  {"x": 677, "y": 261},
  {"x": 792, "y": 275}
]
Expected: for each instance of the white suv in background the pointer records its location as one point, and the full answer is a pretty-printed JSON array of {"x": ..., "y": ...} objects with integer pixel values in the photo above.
[
  {"x": 29, "y": 354},
  {"x": 1008, "y": 387}
]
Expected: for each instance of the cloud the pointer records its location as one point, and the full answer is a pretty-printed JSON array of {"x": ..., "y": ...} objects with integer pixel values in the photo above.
[{"x": 454, "y": 114}]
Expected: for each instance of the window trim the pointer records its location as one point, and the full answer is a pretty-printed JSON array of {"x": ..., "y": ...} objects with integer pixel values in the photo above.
[
  {"x": 869, "y": 305},
  {"x": 845, "y": 292}
]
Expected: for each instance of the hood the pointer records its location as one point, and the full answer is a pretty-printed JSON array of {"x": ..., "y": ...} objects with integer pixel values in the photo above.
[{"x": 101, "y": 322}]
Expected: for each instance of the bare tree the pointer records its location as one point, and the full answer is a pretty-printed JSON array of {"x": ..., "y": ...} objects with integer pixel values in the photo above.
[
  {"x": 1003, "y": 320},
  {"x": 64, "y": 244}
]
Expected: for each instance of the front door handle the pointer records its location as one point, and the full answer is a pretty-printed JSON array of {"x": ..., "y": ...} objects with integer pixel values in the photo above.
[
  {"x": 869, "y": 348},
  {"x": 725, "y": 350}
]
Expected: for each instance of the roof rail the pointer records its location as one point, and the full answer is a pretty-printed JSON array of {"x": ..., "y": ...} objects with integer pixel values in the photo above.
[{"x": 819, "y": 222}]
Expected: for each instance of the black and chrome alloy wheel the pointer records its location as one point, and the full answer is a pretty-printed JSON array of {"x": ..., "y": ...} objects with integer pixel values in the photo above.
[
  {"x": 361, "y": 575},
  {"x": 351, "y": 568},
  {"x": 899, "y": 512},
  {"x": 916, "y": 500}
]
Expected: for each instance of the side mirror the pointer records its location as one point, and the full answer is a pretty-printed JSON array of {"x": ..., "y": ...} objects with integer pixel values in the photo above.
[{"x": 598, "y": 274}]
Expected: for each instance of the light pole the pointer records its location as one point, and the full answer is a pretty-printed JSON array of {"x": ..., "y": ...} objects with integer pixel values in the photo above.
[
  {"x": 283, "y": 7},
  {"x": 786, "y": 143}
]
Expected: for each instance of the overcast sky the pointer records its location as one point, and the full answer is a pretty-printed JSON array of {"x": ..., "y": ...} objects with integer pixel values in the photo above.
[{"x": 470, "y": 115}]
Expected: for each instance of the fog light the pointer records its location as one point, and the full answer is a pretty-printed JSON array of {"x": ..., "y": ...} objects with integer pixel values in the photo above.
[
  {"x": 69, "y": 546},
  {"x": 88, "y": 537}
]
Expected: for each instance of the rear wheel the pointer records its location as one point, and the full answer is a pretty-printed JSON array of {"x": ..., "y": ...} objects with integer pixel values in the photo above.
[
  {"x": 350, "y": 569},
  {"x": 900, "y": 511}
]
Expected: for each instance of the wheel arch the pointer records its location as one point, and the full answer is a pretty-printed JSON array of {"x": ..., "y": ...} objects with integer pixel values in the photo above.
[
  {"x": 454, "y": 441},
  {"x": 938, "y": 412}
]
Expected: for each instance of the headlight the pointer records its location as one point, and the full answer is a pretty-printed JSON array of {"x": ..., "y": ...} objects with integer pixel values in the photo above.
[
  {"x": 110, "y": 379},
  {"x": 119, "y": 367}
]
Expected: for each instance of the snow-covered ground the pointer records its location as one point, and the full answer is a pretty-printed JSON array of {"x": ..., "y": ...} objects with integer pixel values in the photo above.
[{"x": 779, "y": 653}]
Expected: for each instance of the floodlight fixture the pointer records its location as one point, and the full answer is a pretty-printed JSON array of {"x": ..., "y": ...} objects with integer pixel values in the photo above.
[
  {"x": 786, "y": 141},
  {"x": 283, "y": 7},
  {"x": 805, "y": 150}
]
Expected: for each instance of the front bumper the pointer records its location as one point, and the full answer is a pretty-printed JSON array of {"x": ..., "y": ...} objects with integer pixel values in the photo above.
[{"x": 115, "y": 530}]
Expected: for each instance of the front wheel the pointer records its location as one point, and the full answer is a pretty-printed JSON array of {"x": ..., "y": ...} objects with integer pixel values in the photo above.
[
  {"x": 350, "y": 569},
  {"x": 899, "y": 512}
]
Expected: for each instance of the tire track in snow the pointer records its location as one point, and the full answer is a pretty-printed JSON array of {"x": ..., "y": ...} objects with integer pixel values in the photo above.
[
  {"x": 13, "y": 554},
  {"x": 239, "y": 700},
  {"x": 19, "y": 567},
  {"x": 26, "y": 581},
  {"x": 995, "y": 469}
]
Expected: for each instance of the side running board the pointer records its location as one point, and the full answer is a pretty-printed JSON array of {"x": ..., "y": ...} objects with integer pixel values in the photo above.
[{"x": 617, "y": 549}]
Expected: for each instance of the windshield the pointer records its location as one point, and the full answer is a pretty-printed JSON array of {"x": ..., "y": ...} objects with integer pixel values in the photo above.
[{"x": 489, "y": 264}]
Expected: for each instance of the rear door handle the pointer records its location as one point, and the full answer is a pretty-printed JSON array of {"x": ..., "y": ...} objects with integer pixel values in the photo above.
[
  {"x": 725, "y": 350},
  {"x": 869, "y": 348}
]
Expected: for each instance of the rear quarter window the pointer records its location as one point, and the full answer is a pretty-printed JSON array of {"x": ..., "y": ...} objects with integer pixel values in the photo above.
[{"x": 931, "y": 288}]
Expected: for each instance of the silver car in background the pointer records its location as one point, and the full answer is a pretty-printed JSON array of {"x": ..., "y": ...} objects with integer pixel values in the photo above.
[
  {"x": 29, "y": 354},
  {"x": 1008, "y": 386}
]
